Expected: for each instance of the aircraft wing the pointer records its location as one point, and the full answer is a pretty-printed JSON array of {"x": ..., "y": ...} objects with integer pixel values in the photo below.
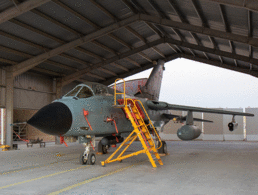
[
  {"x": 179, "y": 118},
  {"x": 157, "y": 105}
]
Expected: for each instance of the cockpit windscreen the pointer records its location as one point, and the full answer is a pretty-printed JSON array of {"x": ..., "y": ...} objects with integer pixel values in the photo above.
[
  {"x": 73, "y": 92},
  {"x": 85, "y": 92}
]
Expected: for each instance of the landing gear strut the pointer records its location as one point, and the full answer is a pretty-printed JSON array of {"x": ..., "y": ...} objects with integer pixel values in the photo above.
[{"x": 87, "y": 156}]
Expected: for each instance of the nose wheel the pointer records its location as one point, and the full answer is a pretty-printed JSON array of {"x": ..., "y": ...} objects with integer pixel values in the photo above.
[{"x": 87, "y": 157}]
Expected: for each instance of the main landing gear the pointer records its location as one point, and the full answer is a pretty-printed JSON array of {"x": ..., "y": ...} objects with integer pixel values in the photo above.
[
  {"x": 163, "y": 149},
  {"x": 103, "y": 148},
  {"x": 87, "y": 156}
]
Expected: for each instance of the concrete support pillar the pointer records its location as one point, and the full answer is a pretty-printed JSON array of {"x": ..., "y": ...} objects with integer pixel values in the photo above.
[
  {"x": 58, "y": 88},
  {"x": 9, "y": 108},
  {"x": 2, "y": 125},
  {"x": 59, "y": 85}
]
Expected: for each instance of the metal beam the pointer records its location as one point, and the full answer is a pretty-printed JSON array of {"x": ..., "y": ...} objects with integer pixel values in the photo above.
[
  {"x": 224, "y": 18},
  {"x": 178, "y": 11},
  {"x": 72, "y": 77},
  {"x": 120, "y": 66},
  {"x": 191, "y": 51},
  {"x": 132, "y": 61},
  {"x": 199, "y": 13},
  {"x": 213, "y": 51},
  {"x": 158, "y": 52},
  {"x": 104, "y": 10},
  {"x": 95, "y": 76},
  {"x": 33, "y": 29},
  {"x": 163, "y": 15},
  {"x": 221, "y": 59},
  {"x": 202, "y": 30},
  {"x": 172, "y": 47},
  {"x": 80, "y": 73},
  {"x": 134, "y": 71},
  {"x": 226, "y": 25},
  {"x": 20, "y": 9},
  {"x": 145, "y": 56},
  {"x": 28, "y": 64},
  {"x": 130, "y": 6},
  {"x": 19, "y": 53},
  {"x": 76, "y": 14},
  {"x": 90, "y": 22},
  {"x": 203, "y": 20},
  {"x": 250, "y": 23},
  {"x": 107, "y": 71},
  {"x": 221, "y": 65},
  {"x": 136, "y": 34},
  {"x": 49, "y": 72},
  {"x": 250, "y": 5},
  {"x": 250, "y": 30},
  {"x": 104, "y": 47},
  {"x": 53, "y": 38},
  {"x": 206, "y": 55},
  {"x": 23, "y": 41}
]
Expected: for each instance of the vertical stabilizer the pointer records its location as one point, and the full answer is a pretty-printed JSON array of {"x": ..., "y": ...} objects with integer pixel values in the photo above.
[{"x": 152, "y": 88}]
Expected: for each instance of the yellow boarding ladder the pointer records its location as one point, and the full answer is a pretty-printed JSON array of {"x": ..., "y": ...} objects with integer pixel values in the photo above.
[{"x": 140, "y": 130}]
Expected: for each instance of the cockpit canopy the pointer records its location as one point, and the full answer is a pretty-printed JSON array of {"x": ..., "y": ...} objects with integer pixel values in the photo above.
[{"x": 88, "y": 90}]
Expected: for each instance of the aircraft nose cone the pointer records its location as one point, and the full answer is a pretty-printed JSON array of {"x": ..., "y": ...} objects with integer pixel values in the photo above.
[{"x": 54, "y": 119}]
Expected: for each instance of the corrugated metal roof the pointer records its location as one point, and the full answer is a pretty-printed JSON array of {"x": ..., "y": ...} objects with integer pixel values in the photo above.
[{"x": 86, "y": 35}]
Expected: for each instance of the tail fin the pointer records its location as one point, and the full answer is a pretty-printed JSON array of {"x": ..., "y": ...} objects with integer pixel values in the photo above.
[{"x": 152, "y": 88}]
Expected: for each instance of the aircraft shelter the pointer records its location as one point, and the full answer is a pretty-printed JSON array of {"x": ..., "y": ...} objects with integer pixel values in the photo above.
[{"x": 47, "y": 47}]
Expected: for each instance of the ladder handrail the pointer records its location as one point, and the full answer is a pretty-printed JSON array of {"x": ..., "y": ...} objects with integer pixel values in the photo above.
[
  {"x": 148, "y": 119},
  {"x": 119, "y": 92}
]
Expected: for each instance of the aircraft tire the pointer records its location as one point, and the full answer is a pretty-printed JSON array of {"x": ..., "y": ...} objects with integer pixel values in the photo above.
[
  {"x": 91, "y": 159},
  {"x": 163, "y": 149},
  {"x": 81, "y": 159},
  {"x": 102, "y": 148}
]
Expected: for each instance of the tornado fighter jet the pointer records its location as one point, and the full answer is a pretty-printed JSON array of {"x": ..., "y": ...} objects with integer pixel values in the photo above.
[{"x": 86, "y": 112}]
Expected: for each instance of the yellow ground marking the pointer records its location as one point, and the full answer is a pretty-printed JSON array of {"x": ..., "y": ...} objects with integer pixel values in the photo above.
[
  {"x": 92, "y": 179},
  {"x": 22, "y": 182},
  {"x": 40, "y": 166}
]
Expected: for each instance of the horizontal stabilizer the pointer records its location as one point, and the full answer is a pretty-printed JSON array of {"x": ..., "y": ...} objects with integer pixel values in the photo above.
[{"x": 179, "y": 118}]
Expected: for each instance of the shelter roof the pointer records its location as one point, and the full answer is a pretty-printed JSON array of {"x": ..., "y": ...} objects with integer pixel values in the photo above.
[{"x": 99, "y": 41}]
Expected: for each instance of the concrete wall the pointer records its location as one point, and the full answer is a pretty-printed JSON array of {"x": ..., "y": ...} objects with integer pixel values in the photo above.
[
  {"x": 23, "y": 115},
  {"x": 32, "y": 91},
  {"x": 252, "y": 125},
  {"x": 213, "y": 131}
]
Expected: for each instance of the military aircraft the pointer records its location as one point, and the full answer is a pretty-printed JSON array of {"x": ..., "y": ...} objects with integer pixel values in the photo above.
[{"x": 86, "y": 112}]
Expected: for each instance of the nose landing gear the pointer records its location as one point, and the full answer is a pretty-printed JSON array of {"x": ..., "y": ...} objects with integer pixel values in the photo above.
[{"x": 87, "y": 157}]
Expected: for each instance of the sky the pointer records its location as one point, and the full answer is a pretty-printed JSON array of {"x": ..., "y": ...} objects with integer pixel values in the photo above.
[{"x": 191, "y": 83}]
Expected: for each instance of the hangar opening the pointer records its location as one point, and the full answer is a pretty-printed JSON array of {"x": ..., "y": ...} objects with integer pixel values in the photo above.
[{"x": 48, "y": 47}]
